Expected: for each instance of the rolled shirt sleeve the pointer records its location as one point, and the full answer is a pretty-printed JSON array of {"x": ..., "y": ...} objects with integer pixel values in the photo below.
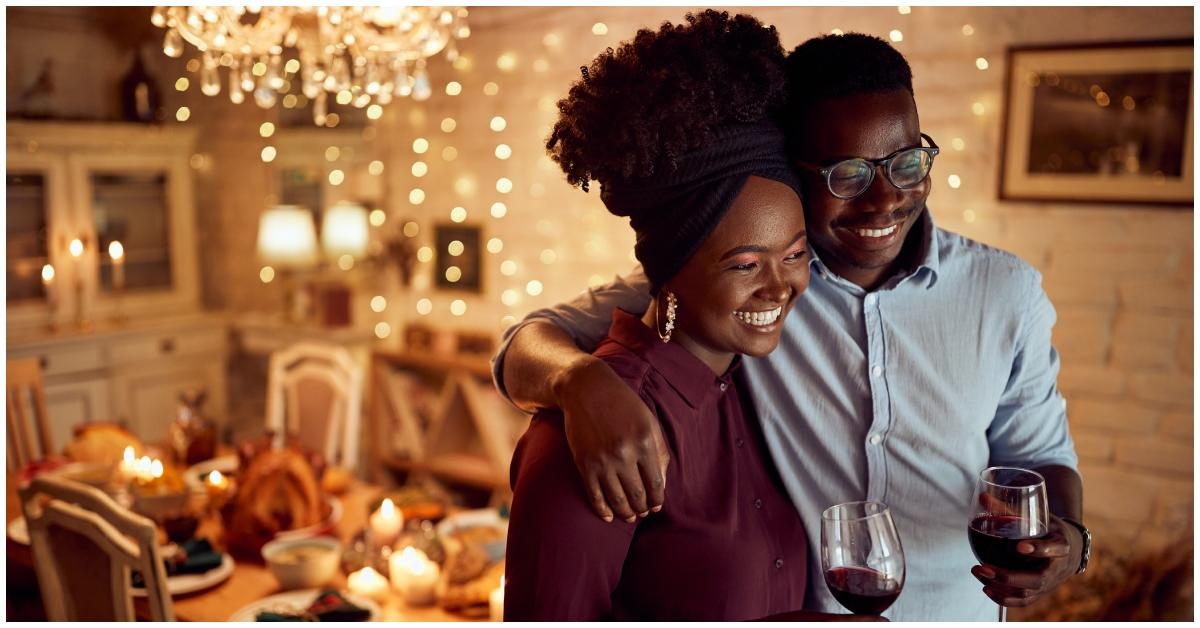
[
  {"x": 586, "y": 318},
  {"x": 1030, "y": 427}
]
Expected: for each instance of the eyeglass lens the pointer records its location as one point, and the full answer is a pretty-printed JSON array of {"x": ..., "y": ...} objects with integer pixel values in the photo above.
[{"x": 851, "y": 177}]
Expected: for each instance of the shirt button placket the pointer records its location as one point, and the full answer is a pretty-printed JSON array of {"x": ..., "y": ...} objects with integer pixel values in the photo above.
[{"x": 876, "y": 479}]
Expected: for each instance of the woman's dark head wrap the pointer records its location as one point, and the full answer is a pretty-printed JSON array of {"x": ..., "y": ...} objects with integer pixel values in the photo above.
[{"x": 674, "y": 213}]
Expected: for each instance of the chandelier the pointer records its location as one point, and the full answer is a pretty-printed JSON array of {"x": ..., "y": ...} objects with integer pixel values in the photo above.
[{"x": 355, "y": 55}]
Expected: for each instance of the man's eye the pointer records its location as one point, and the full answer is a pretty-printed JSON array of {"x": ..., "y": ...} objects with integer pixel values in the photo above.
[
  {"x": 746, "y": 266},
  {"x": 798, "y": 254}
]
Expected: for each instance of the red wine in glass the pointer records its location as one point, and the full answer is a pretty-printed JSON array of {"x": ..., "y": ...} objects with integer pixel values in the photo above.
[
  {"x": 1009, "y": 506},
  {"x": 994, "y": 540},
  {"x": 861, "y": 556},
  {"x": 861, "y": 590}
]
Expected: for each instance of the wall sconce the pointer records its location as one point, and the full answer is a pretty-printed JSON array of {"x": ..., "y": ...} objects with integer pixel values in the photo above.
[
  {"x": 287, "y": 237},
  {"x": 345, "y": 231}
]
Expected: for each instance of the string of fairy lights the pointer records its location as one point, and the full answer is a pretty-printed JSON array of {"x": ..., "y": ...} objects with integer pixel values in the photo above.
[{"x": 511, "y": 277}]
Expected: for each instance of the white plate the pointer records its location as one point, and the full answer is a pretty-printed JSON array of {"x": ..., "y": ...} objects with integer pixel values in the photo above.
[
  {"x": 484, "y": 517},
  {"x": 296, "y": 601},
  {"x": 18, "y": 531},
  {"x": 192, "y": 582},
  {"x": 227, "y": 465}
]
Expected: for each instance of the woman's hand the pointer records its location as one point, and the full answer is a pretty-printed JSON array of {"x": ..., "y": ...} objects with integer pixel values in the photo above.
[{"x": 615, "y": 439}]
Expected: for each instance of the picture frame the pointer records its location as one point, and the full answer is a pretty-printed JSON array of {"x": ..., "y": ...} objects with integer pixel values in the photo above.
[{"x": 1099, "y": 123}]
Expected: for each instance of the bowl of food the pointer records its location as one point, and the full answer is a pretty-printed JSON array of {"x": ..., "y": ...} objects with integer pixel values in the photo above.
[
  {"x": 303, "y": 563},
  {"x": 160, "y": 494}
]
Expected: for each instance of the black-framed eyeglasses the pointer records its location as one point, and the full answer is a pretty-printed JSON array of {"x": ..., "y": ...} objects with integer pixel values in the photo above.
[{"x": 905, "y": 169}]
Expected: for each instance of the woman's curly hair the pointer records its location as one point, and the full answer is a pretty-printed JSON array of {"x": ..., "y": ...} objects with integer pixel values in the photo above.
[{"x": 664, "y": 93}]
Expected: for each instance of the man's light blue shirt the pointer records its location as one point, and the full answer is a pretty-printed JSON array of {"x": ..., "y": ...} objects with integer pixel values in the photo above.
[{"x": 900, "y": 395}]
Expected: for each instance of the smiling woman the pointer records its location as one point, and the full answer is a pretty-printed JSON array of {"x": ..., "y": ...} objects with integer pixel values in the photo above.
[{"x": 704, "y": 179}]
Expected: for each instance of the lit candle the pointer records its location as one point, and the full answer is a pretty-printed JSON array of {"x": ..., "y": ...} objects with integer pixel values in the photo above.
[
  {"x": 47, "y": 276},
  {"x": 128, "y": 462},
  {"x": 496, "y": 602},
  {"x": 117, "y": 252},
  {"x": 368, "y": 582},
  {"x": 414, "y": 576},
  {"x": 386, "y": 524},
  {"x": 215, "y": 486}
]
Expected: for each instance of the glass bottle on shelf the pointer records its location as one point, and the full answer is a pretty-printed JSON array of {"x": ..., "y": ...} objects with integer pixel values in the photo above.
[{"x": 193, "y": 436}]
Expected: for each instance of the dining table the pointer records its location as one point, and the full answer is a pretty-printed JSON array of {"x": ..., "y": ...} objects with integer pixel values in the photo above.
[{"x": 251, "y": 580}]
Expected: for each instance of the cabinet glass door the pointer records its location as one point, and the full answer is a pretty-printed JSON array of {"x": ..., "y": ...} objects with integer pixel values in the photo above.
[
  {"x": 133, "y": 209},
  {"x": 28, "y": 233}
]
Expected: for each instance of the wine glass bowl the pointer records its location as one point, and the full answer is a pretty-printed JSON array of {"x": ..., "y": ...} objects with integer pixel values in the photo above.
[
  {"x": 1009, "y": 507},
  {"x": 861, "y": 556}
]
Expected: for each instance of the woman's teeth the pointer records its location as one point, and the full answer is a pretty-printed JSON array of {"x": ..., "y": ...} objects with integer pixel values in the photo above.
[
  {"x": 759, "y": 318},
  {"x": 876, "y": 233}
]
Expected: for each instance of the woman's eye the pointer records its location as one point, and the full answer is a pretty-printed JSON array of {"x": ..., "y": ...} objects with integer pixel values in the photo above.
[
  {"x": 798, "y": 254},
  {"x": 743, "y": 267}
]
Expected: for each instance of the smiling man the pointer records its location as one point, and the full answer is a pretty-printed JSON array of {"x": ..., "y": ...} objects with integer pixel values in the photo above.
[{"x": 915, "y": 359}]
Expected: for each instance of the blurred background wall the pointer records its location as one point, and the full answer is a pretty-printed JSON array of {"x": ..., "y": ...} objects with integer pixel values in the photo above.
[{"x": 1120, "y": 276}]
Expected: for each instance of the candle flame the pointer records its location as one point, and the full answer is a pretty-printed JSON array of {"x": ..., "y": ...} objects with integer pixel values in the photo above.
[
  {"x": 128, "y": 455},
  {"x": 156, "y": 468},
  {"x": 116, "y": 250},
  {"x": 387, "y": 509},
  {"x": 47, "y": 273},
  {"x": 76, "y": 247},
  {"x": 215, "y": 478}
]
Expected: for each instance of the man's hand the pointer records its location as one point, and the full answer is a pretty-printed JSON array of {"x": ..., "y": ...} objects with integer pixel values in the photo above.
[
  {"x": 1063, "y": 546},
  {"x": 615, "y": 440}
]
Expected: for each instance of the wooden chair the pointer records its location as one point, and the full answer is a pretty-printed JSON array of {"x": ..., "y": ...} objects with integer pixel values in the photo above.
[
  {"x": 314, "y": 391},
  {"x": 28, "y": 421},
  {"x": 85, "y": 547}
]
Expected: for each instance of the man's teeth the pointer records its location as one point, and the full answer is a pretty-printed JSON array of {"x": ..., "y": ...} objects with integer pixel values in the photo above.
[
  {"x": 759, "y": 318},
  {"x": 876, "y": 233}
]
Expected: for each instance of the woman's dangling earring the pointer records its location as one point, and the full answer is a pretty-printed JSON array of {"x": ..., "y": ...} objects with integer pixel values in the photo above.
[{"x": 672, "y": 304}]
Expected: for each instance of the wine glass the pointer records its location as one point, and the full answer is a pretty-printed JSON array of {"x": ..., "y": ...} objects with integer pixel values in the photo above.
[
  {"x": 861, "y": 556},
  {"x": 1009, "y": 506}
]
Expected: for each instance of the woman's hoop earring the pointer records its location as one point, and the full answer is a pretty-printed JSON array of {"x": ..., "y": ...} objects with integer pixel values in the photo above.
[{"x": 672, "y": 304}]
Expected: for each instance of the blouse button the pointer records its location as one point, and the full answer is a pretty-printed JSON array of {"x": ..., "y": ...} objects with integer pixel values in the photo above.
[
  {"x": 724, "y": 386},
  {"x": 779, "y": 563},
  {"x": 738, "y": 442},
  {"x": 758, "y": 504}
]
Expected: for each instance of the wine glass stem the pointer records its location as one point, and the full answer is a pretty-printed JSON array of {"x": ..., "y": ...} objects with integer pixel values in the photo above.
[{"x": 1003, "y": 614}]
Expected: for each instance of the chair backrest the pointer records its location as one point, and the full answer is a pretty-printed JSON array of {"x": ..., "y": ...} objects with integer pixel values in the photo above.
[
  {"x": 314, "y": 391},
  {"x": 28, "y": 421},
  {"x": 85, "y": 547}
]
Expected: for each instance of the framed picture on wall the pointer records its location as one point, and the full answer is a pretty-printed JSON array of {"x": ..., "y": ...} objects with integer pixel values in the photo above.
[
  {"x": 459, "y": 259},
  {"x": 1099, "y": 123}
]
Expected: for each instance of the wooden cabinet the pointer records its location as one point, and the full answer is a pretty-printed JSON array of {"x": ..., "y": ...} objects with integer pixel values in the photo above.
[
  {"x": 130, "y": 374},
  {"x": 98, "y": 183},
  {"x": 117, "y": 342}
]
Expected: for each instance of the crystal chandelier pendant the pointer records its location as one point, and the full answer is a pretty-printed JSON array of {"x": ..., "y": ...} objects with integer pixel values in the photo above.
[
  {"x": 210, "y": 77},
  {"x": 173, "y": 44},
  {"x": 358, "y": 55}
]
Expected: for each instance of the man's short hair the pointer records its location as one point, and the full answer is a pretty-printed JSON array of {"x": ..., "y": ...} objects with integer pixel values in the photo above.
[{"x": 834, "y": 66}]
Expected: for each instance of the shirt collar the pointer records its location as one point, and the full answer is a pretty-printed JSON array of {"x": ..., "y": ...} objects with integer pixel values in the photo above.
[
  {"x": 928, "y": 253},
  {"x": 686, "y": 373}
]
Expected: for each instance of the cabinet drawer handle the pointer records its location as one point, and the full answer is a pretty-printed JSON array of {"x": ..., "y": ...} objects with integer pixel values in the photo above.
[{"x": 166, "y": 346}]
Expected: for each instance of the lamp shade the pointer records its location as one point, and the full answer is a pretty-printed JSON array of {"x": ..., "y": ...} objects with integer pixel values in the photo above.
[
  {"x": 287, "y": 237},
  {"x": 344, "y": 230}
]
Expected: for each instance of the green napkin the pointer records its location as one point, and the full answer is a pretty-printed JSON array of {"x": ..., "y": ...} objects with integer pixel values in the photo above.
[
  {"x": 330, "y": 605},
  {"x": 200, "y": 557}
]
